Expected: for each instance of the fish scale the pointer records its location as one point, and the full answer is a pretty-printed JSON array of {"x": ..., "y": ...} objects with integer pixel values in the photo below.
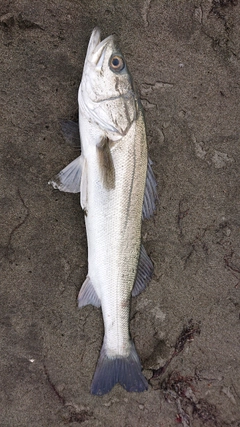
[{"x": 114, "y": 275}]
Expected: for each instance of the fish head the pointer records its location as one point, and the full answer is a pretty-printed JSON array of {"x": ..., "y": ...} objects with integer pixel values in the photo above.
[{"x": 106, "y": 94}]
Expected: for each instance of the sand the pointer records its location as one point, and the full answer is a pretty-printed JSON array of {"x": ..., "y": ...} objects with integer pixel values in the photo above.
[{"x": 184, "y": 58}]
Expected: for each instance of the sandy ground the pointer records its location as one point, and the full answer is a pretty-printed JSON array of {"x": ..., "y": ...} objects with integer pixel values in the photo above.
[{"x": 184, "y": 57}]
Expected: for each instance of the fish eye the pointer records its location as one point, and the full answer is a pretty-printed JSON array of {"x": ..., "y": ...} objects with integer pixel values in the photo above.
[{"x": 116, "y": 63}]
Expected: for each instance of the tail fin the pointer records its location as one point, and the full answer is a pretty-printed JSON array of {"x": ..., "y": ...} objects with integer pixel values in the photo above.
[{"x": 123, "y": 370}]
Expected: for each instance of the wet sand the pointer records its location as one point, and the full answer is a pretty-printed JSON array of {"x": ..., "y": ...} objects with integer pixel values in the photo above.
[{"x": 184, "y": 58}]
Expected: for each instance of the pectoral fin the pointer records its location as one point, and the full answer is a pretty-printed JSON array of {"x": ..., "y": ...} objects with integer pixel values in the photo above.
[
  {"x": 150, "y": 195},
  {"x": 69, "y": 178},
  {"x": 144, "y": 272},
  {"x": 106, "y": 164}
]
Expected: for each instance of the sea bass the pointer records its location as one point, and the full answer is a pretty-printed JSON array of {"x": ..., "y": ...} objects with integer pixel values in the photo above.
[{"x": 117, "y": 189}]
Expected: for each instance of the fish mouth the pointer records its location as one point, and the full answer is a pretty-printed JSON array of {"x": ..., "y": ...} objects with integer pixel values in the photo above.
[{"x": 96, "y": 47}]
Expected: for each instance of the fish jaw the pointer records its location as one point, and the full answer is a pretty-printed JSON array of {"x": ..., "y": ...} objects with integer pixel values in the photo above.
[{"x": 96, "y": 48}]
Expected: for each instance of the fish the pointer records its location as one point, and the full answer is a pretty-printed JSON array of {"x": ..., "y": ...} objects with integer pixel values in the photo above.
[{"x": 117, "y": 190}]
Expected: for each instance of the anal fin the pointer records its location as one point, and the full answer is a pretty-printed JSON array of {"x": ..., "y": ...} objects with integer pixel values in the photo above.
[
  {"x": 144, "y": 272},
  {"x": 87, "y": 295}
]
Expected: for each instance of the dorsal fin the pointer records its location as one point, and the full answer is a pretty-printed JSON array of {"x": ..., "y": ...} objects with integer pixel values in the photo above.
[{"x": 150, "y": 195}]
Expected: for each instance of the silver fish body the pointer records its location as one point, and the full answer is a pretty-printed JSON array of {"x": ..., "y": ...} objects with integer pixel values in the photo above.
[{"x": 117, "y": 188}]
